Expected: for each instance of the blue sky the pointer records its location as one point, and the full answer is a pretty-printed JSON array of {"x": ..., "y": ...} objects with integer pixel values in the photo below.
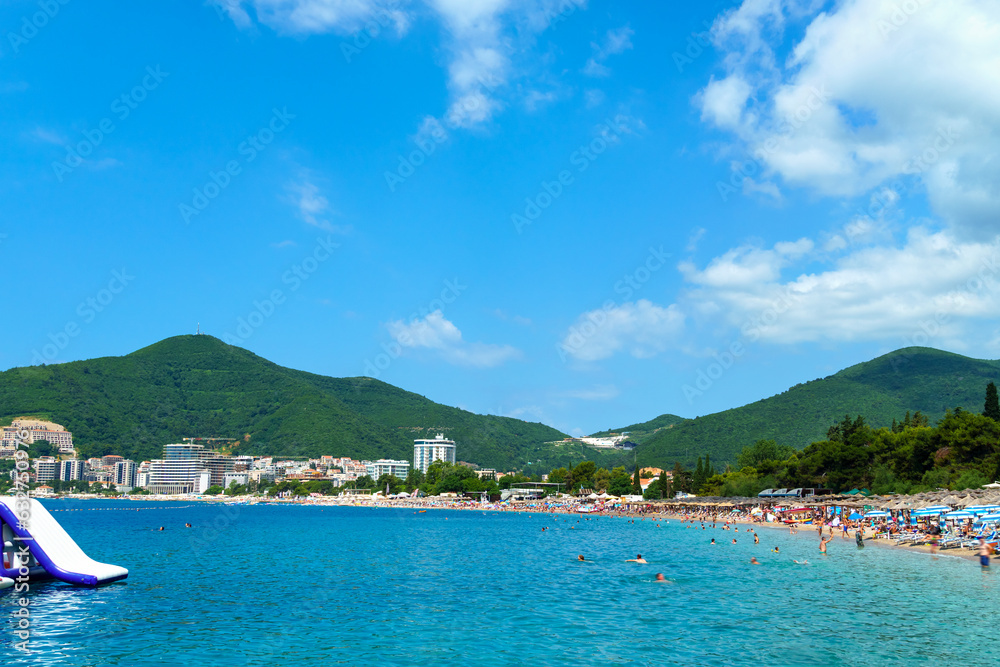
[{"x": 581, "y": 213}]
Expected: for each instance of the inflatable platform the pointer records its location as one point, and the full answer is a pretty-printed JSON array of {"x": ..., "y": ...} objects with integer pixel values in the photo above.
[{"x": 51, "y": 552}]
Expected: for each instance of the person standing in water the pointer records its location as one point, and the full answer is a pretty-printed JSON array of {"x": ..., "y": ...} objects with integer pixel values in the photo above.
[
  {"x": 984, "y": 552},
  {"x": 822, "y": 544},
  {"x": 859, "y": 536}
]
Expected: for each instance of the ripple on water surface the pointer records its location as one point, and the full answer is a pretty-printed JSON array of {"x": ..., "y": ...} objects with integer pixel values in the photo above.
[{"x": 269, "y": 584}]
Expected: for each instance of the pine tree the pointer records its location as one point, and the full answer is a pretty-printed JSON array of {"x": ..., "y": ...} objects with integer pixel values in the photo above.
[
  {"x": 699, "y": 475},
  {"x": 664, "y": 485},
  {"x": 992, "y": 407},
  {"x": 709, "y": 471},
  {"x": 636, "y": 484}
]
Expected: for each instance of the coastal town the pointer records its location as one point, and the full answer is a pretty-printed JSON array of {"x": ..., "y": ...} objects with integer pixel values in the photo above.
[{"x": 198, "y": 466}]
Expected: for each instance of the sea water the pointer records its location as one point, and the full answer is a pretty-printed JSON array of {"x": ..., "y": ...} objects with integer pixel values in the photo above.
[{"x": 306, "y": 585}]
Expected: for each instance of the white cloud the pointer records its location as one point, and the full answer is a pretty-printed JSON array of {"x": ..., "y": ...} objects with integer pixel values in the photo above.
[
  {"x": 436, "y": 333},
  {"x": 931, "y": 283},
  {"x": 615, "y": 42},
  {"x": 596, "y": 69},
  {"x": 642, "y": 329},
  {"x": 594, "y": 98},
  {"x": 313, "y": 16},
  {"x": 313, "y": 206},
  {"x": 483, "y": 37},
  {"x": 722, "y": 101},
  {"x": 870, "y": 94},
  {"x": 601, "y": 392},
  {"x": 48, "y": 136}
]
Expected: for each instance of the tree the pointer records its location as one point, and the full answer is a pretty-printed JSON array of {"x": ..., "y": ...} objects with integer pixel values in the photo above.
[
  {"x": 664, "y": 484},
  {"x": 621, "y": 483},
  {"x": 42, "y": 448},
  {"x": 602, "y": 479},
  {"x": 761, "y": 451},
  {"x": 991, "y": 408},
  {"x": 414, "y": 478},
  {"x": 213, "y": 490},
  {"x": 636, "y": 482},
  {"x": 699, "y": 475}
]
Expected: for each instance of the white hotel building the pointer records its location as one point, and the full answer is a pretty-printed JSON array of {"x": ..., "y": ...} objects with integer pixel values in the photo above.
[
  {"x": 381, "y": 467},
  {"x": 426, "y": 452},
  {"x": 56, "y": 435},
  {"x": 183, "y": 469}
]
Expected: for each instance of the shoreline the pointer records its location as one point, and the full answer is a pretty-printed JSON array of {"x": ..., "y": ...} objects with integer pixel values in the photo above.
[{"x": 648, "y": 510}]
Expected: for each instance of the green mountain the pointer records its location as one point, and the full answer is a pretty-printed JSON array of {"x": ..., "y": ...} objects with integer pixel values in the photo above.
[
  {"x": 911, "y": 379},
  {"x": 640, "y": 433},
  {"x": 191, "y": 386}
]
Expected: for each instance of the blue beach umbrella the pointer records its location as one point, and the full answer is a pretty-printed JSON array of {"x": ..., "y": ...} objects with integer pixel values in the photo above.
[
  {"x": 959, "y": 515},
  {"x": 854, "y": 516},
  {"x": 874, "y": 514}
]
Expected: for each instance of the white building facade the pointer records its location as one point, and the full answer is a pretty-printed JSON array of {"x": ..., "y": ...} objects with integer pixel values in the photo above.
[
  {"x": 426, "y": 452},
  {"x": 376, "y": 469},
  {"x": 71, "y": 471}
]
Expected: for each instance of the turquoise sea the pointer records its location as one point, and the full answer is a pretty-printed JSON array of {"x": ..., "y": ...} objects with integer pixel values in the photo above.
[{"x": 266, "y": 585}]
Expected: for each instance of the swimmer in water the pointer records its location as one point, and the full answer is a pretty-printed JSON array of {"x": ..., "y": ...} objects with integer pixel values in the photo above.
[
  {"x": 754, "y": 561},
  {"x": 822, "y": 544},
  {"x": 581, "y": 558},
  {"x": 801, "y": 562},
  {"x": 638, "y": 559},
  {"x": 713, "y": 540},
  {"x": 660, "y": 577},
  {"x": 775, "y": 550}
]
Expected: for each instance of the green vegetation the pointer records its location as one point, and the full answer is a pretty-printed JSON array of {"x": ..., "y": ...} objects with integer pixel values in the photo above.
[
  {"x": 639, "y": 433},
  {"x": 962, "y": 451},
  {"x": 198, "y": 386},
  {"x": 922, "y": 379}
]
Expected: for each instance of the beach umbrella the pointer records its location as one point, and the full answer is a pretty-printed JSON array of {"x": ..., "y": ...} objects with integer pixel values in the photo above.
[
  {"x": 958, "y": 515},
  {"x": 876, "y": 514},
  {"x": 854, "y": 516}
]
